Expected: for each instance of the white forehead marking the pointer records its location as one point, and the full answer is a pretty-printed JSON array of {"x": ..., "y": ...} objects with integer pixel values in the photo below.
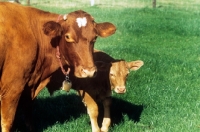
[{"x": 81, "y": 22}]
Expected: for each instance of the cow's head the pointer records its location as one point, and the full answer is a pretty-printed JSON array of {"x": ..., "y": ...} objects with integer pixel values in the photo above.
[
  {"x": 119, "y": 72},
  {"x": 77, "y": 33}
]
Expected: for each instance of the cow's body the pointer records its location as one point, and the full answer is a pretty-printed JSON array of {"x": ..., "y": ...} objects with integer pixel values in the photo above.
[
  {"x": 29, "y": 40},
  {"x": 111, "y": 75}
]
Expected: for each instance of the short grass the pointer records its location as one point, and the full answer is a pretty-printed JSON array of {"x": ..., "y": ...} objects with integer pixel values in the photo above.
[{"x": 162, "y": 96}]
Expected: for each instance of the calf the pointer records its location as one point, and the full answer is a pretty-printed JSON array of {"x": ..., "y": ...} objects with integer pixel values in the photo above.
[{"x": 111, "y": 75}]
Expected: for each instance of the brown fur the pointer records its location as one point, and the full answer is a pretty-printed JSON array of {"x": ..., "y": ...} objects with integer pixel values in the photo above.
[
  {"x": 28, "y": 42},
  {"x": 111, "y": 75}
]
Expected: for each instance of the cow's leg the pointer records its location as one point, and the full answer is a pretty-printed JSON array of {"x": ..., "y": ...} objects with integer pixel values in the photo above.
[
  {"x": 0, "y": 108},
  {"x": 26, "y": 103},
  {"x": 13, "y": 81},
  {"x": 9, "y": 101},
  {"x": 92, "y": 110},
  {"x": 106, "y": 120}
]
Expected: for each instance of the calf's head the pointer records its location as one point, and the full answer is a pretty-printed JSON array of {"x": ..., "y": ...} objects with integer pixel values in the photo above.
[
  {"x": 119, "y": 72},
  {"x": 76, "y": 34}
]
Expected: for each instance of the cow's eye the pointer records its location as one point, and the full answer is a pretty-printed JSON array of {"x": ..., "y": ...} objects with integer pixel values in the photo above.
[{"x": 67, "y": 36}]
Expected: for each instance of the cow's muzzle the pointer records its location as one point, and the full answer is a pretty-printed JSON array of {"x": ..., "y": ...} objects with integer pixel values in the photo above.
[{"x": 86, "y": 72}]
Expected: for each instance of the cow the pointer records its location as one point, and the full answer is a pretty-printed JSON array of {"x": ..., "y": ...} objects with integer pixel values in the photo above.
[
  {"x": 111, "y": 75},
  {"x": 34, "y": 44}
]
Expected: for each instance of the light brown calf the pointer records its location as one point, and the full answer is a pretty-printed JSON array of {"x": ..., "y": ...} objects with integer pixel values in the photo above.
[{"x": 111, "y": 75}]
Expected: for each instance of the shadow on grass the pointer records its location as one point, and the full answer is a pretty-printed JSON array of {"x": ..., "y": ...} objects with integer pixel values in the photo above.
[
  {"x": 119, "y": 108},
  {"x": 60, "y": 109},
  {"x": 51, "y": 110}
]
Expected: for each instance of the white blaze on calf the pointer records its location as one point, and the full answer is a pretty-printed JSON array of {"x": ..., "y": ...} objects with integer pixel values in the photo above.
[{"x": 81, "y": 22}]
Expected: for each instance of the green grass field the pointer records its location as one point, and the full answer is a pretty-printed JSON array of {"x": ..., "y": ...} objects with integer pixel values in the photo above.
[{"x": 162, "y": 96}]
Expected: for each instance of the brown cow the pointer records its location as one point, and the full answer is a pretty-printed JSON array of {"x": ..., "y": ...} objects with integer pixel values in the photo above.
[
  {"x": 111, "y": 75},
  {"x": 29, "y": 40}
]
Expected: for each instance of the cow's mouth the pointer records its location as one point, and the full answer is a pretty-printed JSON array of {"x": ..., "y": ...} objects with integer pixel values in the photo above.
[{"x": 81, "y": 72}]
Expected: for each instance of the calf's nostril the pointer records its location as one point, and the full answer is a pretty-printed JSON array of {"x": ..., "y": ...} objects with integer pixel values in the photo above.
[{"x": 121, "y": 89}]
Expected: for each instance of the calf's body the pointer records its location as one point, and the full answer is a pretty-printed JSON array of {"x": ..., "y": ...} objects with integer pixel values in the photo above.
[{"x": 111, "y": 75}]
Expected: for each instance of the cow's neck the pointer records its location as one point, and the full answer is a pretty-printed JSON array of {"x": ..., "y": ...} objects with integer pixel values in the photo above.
[
  {"x": 46, "y": 46},
  {"x": 46, "y": 79},
  {"x": 53, "y": 57},
  {"x": 58, "y": 56},
  {"x": 48, "y": 61}
]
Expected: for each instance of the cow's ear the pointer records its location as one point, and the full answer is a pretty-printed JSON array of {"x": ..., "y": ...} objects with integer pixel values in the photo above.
[
  {"x": 135, "y": 65},
  {"x": 105, "y": 29},
  {"x": 52, "y": 29}
]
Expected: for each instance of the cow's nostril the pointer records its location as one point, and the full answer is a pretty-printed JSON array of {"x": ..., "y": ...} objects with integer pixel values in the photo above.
[
  {"x": 95, "y": 73},
  {"x": 89, "y": 72}
]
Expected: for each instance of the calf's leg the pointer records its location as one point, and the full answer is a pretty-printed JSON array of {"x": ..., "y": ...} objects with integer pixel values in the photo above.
[
  {"x": 92, "y": 109},
  {"x": 106, "y": 119}
]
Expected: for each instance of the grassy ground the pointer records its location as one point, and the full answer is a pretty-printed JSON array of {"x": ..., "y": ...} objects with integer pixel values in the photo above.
[
  {"x": 180, "y": 4},
  {"x": 163, "y": 96}
]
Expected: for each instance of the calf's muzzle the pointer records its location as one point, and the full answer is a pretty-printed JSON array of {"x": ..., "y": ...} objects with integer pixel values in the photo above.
[{"x": 120, "y": 90}]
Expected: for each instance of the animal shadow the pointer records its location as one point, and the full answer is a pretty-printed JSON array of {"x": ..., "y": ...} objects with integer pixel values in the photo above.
[
  {"x": 119, "y": 108},
  {"x": 51, "y": 109},
  {"x": 62, "y": 108}
]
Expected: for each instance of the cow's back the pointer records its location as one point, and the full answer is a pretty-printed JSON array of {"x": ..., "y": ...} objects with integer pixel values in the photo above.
[
  {"x": 16, "y": 35},
  {"x": 13, "y": 21}
]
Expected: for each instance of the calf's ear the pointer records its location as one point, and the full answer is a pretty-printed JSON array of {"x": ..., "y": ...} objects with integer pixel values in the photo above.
[
  {"x": 52, "y": 29},
  {"x": 135, "y": 65},
  {"x": 105, "y": 29}
]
